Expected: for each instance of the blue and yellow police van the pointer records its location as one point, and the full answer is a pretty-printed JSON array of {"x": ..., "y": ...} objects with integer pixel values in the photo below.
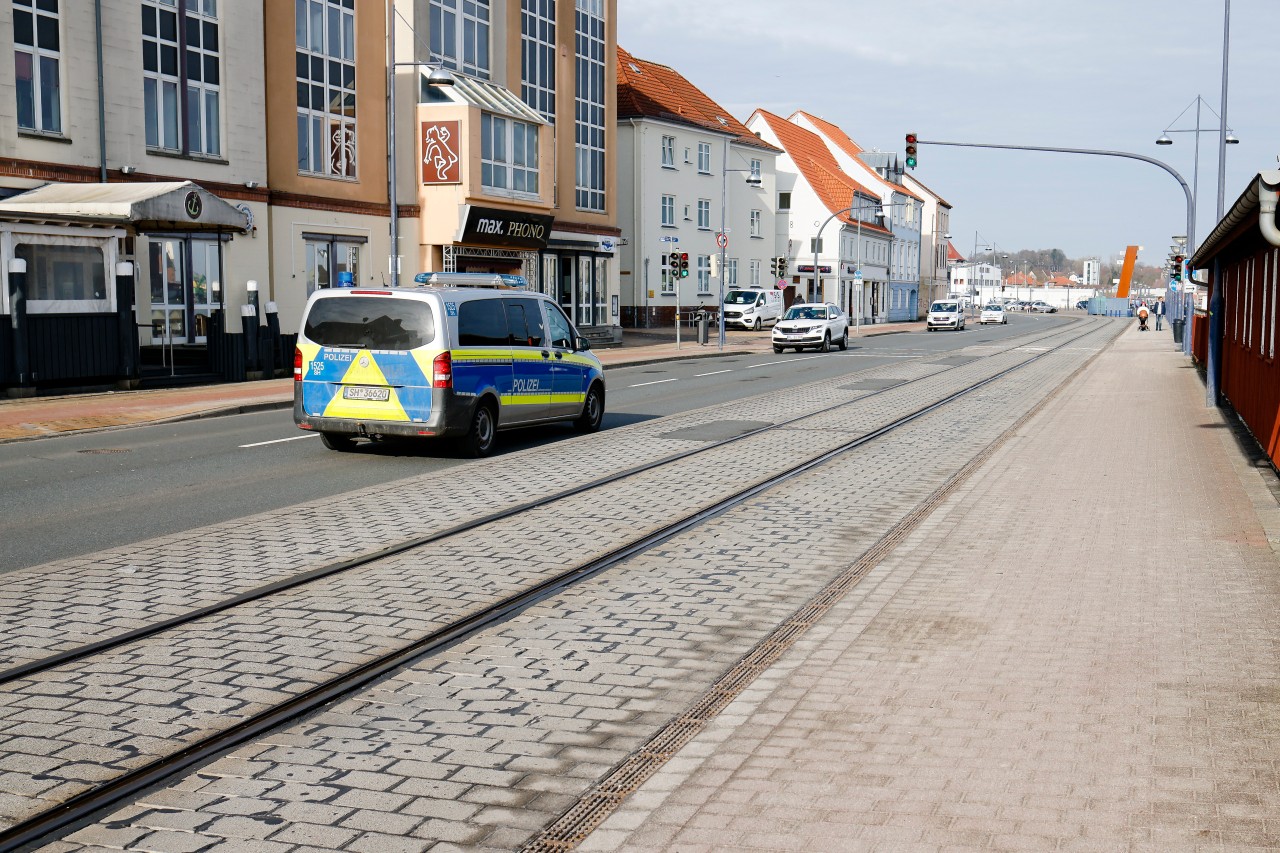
[{"x": 459, "y": 355}]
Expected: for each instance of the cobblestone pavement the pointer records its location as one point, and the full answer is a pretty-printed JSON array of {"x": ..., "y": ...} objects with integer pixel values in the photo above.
[
  {"x": 62, "y": 605},
  {"x": 1078, "y": 651},
  {"x": 485, "y": 744}
]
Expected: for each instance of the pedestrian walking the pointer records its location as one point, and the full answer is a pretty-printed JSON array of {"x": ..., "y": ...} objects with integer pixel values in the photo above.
[{"x": 1158, "y": 310}]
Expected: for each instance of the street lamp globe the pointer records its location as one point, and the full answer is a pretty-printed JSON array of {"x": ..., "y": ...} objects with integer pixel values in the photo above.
[{"x": 1164, "y": 140}]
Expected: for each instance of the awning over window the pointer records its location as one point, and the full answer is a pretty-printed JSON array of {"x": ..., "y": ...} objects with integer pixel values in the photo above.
[
  {"x": 143, "y": 207},
  {"x": 479, "y": 93}
]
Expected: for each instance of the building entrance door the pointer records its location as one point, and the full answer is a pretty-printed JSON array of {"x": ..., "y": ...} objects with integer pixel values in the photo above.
[{"x": 168, "y": 263}]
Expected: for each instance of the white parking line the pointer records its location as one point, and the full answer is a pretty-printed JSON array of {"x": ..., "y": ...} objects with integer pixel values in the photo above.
[
  {"x": 712, "y": 373},
  {"x": 655, "y": 382},
  {"x": 279, "y": 440}
]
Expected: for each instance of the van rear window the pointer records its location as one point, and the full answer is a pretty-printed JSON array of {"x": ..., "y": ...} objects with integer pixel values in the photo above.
[{"x": 370, "y": 322}]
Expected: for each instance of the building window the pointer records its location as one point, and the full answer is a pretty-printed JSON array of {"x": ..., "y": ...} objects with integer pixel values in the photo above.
[
  {"x": 731, "y": 272},
  {"x": 669, "y": 152},
  {"x": 326, "y": 76},
  {"x": 508, "y": 155},
  {"x": 755, "y": 223},
  {"x": 328, "y": 255},
  {"x": 754, "y": 271},
  {"x": 704, "y": 158},
  {"x": 37, "y": 53},
  {"x": 460, "y": 36},
  {"x": 755, "y": 168},
  {"x": 669, "y": 211},
  {"x": 704, "y": 213},
  {"x": 182, "y": 103},
  {"x": 589, "y": 102},
  {"x": 784, "y": 201},
  {"x": 538, "y": 56},
  {"x": 704, "y": 273},
  {"x": 669, "y": 275}
]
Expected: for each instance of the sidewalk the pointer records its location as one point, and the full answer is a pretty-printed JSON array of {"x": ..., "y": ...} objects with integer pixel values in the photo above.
[
  {"x": 1078, "y": 650},
  {"x": 40, "y": 417}
]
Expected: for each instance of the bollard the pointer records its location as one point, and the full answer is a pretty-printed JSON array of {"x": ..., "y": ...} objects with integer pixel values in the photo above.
[
  {"x": 128, "y": 327},
  {"x": 703, "y": 325},
  {"x": 18, "y": 319}
]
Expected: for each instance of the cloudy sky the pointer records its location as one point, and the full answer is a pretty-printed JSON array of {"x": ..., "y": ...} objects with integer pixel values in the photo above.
[{"x": 1099, "y": 74}]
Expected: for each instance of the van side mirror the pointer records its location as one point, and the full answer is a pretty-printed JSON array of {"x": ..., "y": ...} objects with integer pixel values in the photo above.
[{"x": 581, "y": 344}]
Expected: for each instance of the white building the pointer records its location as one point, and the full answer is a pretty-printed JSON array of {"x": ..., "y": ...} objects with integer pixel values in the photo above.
[
  {"x": 812, "y": 190},
  {"x": 687, "y": 163}
]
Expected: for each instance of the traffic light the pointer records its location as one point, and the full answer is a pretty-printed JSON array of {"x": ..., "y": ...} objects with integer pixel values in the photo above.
[
  {"x": 673, "y": 261},
  {"x": 782, "y": 267},
  {"x": 911, "y": 151},
  {"x": 773, "y": 267},
  {"x": 683, "y": 265},
  {"x": 1175, "y": 268}
]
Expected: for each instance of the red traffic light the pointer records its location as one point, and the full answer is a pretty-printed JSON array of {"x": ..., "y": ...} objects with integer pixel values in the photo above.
[
  {"x": 684, "y": 257},
  {"x": 911, "y": 139}
]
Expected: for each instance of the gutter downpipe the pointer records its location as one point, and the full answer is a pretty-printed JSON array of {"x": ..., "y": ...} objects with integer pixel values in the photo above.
[{"x": 102, "y": 95}]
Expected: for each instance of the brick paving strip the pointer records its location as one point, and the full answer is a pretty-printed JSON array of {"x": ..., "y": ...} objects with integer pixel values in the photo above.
[
  {"x": 76, "y": 601},
  {"x": 1079, "y": 651},
  {"x": 488, "y": 742}
]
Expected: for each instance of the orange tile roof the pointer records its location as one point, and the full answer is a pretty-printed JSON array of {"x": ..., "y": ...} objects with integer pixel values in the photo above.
[
  {"x": 818, "y": 166},
  {"x": 952, "y": 254},
  {"x": 649, "y": 90},
  {"x": 846, "y": 144}
]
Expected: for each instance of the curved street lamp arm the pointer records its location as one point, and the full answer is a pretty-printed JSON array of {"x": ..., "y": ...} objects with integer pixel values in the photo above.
[{"x": 1191, "y": 204}]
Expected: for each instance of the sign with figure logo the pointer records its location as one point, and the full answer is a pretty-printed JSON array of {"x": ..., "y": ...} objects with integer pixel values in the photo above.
[{"x": 440, "y": 153}]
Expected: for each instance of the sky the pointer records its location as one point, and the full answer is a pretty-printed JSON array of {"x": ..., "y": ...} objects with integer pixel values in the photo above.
[{"x": 1097, "y": 74}]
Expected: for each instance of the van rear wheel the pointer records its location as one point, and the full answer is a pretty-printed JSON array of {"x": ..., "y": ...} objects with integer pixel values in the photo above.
[
  {"x": 479, "y": 439},
  {"x": 338, "y": 441}
]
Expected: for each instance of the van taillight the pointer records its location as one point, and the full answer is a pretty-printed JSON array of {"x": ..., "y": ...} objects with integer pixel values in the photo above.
[
  {"x": 297, "y": 364},
  {"x": 442, "y": 371}
]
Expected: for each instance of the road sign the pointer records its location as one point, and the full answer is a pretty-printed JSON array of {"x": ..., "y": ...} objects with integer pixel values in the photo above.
[
  {"x": 1173, "y": 286},
  {"x": 668, "y": 239},
  {"x": 857, "y": 275},
  {"x": 722, "y": 240}
]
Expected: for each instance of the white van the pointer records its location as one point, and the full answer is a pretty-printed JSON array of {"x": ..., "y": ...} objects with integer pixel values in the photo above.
[
  {"x": 459, "y": 355},
  {"x": 946, "y": 314},
  {"x": 752, "y": 307}
]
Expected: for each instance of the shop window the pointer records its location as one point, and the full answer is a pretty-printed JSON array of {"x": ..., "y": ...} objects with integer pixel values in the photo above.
[{"x": 74, "y": 275}]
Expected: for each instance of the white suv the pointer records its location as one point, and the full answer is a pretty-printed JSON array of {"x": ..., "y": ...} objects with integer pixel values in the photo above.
[{"x": 811, "y": 325}]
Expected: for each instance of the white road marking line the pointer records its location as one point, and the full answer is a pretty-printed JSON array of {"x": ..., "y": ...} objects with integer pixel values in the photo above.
[
  {"x": 278, "y": 440},
  {"x": 712, "y": 373},
  {"x": 655, "y": 382}
]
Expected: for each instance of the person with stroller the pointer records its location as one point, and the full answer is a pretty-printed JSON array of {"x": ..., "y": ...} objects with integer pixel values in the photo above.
[{"x": 1143, "y": 313}]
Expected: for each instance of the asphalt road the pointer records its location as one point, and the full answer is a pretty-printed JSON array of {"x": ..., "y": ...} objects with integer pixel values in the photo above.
[{"x": 73, "y": 495}]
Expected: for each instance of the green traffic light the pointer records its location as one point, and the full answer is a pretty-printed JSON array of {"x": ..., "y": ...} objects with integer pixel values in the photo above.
[{"x": 911, "y": 162}]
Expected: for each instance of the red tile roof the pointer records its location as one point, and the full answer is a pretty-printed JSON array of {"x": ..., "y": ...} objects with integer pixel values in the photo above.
[
  {"x": 846, "y": 144},
  {"x": 649, "y": 90},
  {"x": 818, "y": 166}
]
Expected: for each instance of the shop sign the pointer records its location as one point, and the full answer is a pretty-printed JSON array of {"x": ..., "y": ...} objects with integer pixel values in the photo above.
[
  {"x": 440, "y": 153},
  {"x": 491, "y": 226}
]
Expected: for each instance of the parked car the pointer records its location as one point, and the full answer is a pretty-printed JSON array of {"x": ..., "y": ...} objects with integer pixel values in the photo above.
[
  {"x": 945, "y": 314},
  {"x": 1082, "y": 305},
  {"x": 993, "y": 313},
  {"x": 1043, "y": 307},
  {"x": 815, "y": 325}
]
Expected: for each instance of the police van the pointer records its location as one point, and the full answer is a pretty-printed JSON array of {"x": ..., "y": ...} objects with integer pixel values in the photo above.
[{"x": 461, "y": 354}]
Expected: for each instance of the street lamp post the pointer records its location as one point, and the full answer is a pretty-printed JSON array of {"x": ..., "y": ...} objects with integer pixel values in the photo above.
[
  {"x": 879, "y": 207},
  {"x": 439, "y": 76}
]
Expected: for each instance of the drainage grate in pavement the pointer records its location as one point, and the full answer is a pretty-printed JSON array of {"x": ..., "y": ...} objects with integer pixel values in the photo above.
[
  {"x": 715, "y": 430},
  {"x": 871, "y": 384},
  {"x": 105, "y": 450}
]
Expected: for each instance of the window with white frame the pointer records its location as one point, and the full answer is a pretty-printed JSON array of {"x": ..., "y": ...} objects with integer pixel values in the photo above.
[
  {"x": 37, "y": 56},
  {"x": 755, "y": 223},
  {"x": 755, "y": 167},
  {"x": 753, "y": 269},
  {"x": 669, "y": 210},
  {"x": 784, "y": 201},
  {"x": 325, "y": 61},
  {"x": 460, "y": 35},
  {"x": 704, "y": 273},
  {"x": 508, "y": 155},
  {"x": 669, "y": 152},
  {"x": 538, "y": 56},
  {"x": 182, "y": 103},
  {"x": 669, "y": 275},
  {"x": 704, "y": 158},
  {"x": 589, "y": 102},
  {"x": 704, "y": 213},
  {"x": 731, "y": 272}
]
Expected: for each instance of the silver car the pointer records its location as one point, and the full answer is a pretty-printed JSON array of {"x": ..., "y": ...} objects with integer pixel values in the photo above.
[{"x": 814, "y": 325}]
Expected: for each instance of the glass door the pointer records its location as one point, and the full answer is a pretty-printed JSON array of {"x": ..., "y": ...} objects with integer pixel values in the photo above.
[
  {"x": 206, "y": 284},
  {"x": 601, "y": 296},
  {"x": 586, "y": 293},
  {"x": 168, "y": 292},
  {"x": 565, "y": 288}
]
